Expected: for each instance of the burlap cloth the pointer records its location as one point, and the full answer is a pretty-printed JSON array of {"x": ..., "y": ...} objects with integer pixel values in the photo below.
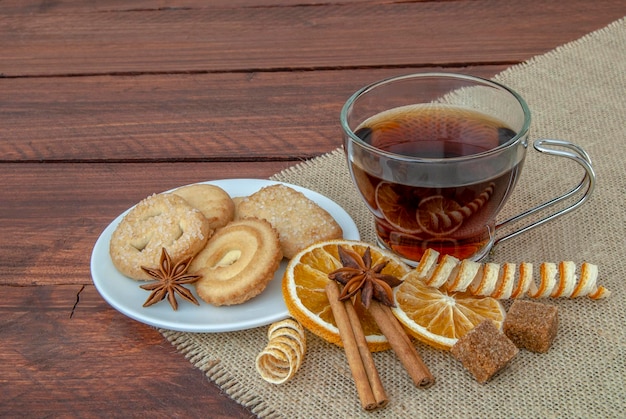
[{"x": 576, "y": 92}]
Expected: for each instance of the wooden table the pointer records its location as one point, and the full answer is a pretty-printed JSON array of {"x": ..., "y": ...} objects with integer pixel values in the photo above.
[{"x": 103, "y": 103}]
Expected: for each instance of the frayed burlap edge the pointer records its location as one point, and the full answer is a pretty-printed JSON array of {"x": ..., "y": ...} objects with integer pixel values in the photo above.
[{"x": 211, "y": 367}]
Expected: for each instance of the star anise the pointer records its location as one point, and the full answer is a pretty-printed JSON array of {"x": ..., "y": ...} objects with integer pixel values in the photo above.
[
  {"x": 357, "y": 274},
  {"x": 170, "y": 279}
]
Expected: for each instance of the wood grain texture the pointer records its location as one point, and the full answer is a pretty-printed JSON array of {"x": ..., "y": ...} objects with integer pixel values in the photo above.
[
  {"x": 72, "y": 6},
  {"x": 84, "y": 359},
  {"x": 296, "y": 37},
  {"x": 50, "y": 229},
  {"x": 201, "y": 117}
]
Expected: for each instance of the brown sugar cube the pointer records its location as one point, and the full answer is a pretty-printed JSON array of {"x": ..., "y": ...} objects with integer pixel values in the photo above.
[
  {"x": 531, "y": 325},
  {"x": 484, "y": 351}
]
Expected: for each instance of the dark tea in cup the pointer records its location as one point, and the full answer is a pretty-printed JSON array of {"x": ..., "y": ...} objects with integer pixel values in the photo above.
[
  {"x": 449, "y": 215},
  {"x": 435, "y": 156}
]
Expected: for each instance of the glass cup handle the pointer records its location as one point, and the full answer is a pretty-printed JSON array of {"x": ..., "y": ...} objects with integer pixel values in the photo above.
[{"x": 570, "y": 151}]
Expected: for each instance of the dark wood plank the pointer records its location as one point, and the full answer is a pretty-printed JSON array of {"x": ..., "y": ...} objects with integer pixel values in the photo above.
[
  {"x": 199, "y": 117},
  {"x": 52, "y": 214},
  {"x": 82, "y": 358},
  {"x": 300, "y": 37},
  {"x": 29, "y": 7}
]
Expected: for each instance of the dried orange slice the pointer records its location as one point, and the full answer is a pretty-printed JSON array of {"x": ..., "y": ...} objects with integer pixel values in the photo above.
[
  {"x": 437, "y": 318},
  {"x": 438, "y": 215},
  {"x": 304, "y": 284},
  {"x": 397, "y": 207}
]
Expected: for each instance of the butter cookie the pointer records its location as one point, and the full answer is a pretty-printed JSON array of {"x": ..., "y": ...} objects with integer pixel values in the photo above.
[
  {"x": 237, "y": 263},
  {"x": 299, "y": 221},
  {"x": 214, "y": 202},
  {"x": 158, "y": 221}
]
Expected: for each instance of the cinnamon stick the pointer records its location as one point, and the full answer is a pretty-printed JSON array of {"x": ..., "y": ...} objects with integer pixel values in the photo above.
[
  {"x": 364, "y": 389},
  {"x": 401, "y": 344},
  {"x": 366, "y": 356}
]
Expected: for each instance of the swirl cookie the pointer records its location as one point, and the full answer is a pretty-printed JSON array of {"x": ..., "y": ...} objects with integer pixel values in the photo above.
[
  {"x": 211, "y": 200},
  {"x": 159, "y": 221},
  {"x": 237, "y": 263},
  {"x": 299, "y": 221}
]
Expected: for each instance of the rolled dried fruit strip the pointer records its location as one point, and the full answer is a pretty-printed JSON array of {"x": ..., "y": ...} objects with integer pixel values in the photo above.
[
  {"x": 284, "y": 352},
  {"x": 287, "y": 324},
  {"x": 463, "y": 277},
  {"x": 547, "y": 282},
  {"x": 443, "y": 271},
  {"x": 586, "y": 283},
  {"x": 524, "y": 280},
  {"x": 485, "y": 282},
  {"x": 274, "y": 366},
  {"x": 287, "y": 342},
  {"x": 289, "y": 337},
  {"x": 290, "y": 329},
  {"x": 505, "y": 281},
  {"x": 500, "y": 281}
]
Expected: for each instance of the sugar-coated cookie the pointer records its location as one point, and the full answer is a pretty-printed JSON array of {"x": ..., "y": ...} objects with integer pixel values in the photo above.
[
  {"x": 214, "y": 202},
  {"x": 299, "y": 221},
  {"x": 158, "y": 221}
]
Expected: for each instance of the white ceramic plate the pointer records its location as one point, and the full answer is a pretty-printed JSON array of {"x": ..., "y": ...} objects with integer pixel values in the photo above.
[{"x": 124, "y": 294}]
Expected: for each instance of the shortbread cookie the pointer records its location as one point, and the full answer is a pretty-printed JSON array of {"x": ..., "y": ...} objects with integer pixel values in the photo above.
[
  {"x": 299, "y": 221},
  {"x": 211, "y": 200},
  {"x": 238, "y": 262},
  {"x": 157, "y": 222}
]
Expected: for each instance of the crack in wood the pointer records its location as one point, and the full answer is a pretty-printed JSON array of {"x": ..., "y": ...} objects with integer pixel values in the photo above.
[{"x": 77, "y": 301}]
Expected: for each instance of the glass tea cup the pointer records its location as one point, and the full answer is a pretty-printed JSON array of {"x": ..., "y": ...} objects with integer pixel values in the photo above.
[{"x": 435, "y": 156}]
